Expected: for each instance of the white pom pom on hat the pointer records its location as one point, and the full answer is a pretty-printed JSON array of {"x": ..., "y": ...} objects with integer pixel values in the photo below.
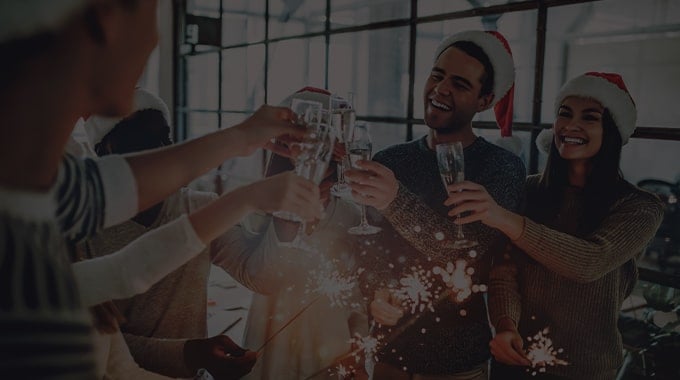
[
  {"x": 609, "y": 90},
  {"x": 496, "y": 47},
  {"x": 96, "y": 127}
]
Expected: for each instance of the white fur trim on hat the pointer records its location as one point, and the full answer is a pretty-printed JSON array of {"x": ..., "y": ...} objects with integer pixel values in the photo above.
[
  {"x": 612, "y": 97},
  {"x": 25, "y": 18},
  {"x": 501, "y": 59},
  {"x": 96, "y": 127}
]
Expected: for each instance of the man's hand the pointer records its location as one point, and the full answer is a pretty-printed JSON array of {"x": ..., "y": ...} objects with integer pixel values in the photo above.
[
  {"x": 385, "y": 308},
  {"x": 223, "y": 358},
  {"x": 375, "y": 185}
]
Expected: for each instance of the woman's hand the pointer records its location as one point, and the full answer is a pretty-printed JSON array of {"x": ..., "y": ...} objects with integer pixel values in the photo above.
[
  {"x": 507, "y": 345},
  {"x": 470, "y": 197},
  {"x": 373, "y": 184}
]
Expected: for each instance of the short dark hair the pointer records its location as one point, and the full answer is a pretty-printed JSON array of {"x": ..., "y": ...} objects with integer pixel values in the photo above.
[
  {"x": 145, "y": 129},
  {"x": 476, "y": 52}
]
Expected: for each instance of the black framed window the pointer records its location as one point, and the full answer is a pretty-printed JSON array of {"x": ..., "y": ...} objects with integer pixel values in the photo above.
[{"x": 233, "y": 56}]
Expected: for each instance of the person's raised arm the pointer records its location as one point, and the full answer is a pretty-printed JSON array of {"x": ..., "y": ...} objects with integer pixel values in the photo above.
[
  {"x": 621, "y": 235},
  {"x": 160, "y": 172}
]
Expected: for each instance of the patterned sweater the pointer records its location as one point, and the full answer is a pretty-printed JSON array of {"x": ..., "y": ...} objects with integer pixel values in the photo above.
[
  {"x": 575, "y": 285},
  {"x": 454, "y": 337}
]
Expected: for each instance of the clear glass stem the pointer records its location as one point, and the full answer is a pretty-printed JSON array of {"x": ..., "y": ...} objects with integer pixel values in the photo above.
[
  {"x": 341, "y": 169},
  {"x": 459, "y": 234},
  {"x": 364, "y": 221}
]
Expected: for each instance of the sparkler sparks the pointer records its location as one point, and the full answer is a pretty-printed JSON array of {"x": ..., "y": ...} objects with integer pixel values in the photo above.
[
  {"x": 417, "y": 290},
  {"x": 458, "y": 277},
  {"x": 343, "y": 372},
  {"x": 368, "y": 345},
  {"x": 542, "y": 353},
  {"x": 338, "y": 287}
]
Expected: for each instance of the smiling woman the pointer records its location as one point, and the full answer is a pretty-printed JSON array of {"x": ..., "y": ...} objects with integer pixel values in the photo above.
[{"x": 573, "y": 257}]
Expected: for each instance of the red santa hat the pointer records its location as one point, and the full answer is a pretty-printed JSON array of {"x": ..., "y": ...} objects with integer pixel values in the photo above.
[
  {"x": 609, "y": 90},
  {"x": 25, "y": 18},
  {"x": 496, "y": 47},
  {"x": 96, "y": 127}
]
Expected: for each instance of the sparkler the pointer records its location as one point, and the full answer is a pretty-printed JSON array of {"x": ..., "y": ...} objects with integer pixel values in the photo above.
[
  {"x": 541, "y": 352},
  {"x": 291, "y": 320},
  {"x": 369, "y": 345},
  {"x": 458, "y": 277},
  {"x": 330, "y": 282},
  {"x": 416, "y": 291}
]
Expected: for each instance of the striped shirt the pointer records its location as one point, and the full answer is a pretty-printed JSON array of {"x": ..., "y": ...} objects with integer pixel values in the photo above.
[{"x": 45, "y": 332}]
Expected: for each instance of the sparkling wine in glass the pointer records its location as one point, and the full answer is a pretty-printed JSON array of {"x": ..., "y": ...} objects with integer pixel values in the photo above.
[
  {"x": 311, "y": 156},
  {"x": 452, "y": 170},
  {"x": 343, "y": 120},
  {"x": 308, "y": 113},
  {"x": 360, "y": 148}
]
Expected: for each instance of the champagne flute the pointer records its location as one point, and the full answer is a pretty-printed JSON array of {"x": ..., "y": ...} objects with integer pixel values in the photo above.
[
  {"x": 360, "y": 149},
  {"x": 313, "y": 154},
  {"x": 343, "y": 120},
  {"x": 452, "y": 170},
  {"x": 307, "y": 112}
]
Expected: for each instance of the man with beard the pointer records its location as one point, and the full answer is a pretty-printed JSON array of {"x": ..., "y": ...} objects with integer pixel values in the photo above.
[{"x": 445, "y": 336}]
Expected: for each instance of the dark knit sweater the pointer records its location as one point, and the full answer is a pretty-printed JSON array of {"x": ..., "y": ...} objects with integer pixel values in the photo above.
[
  {"x": 443, "y": 341},
  {"x": 575, "y": 285}
]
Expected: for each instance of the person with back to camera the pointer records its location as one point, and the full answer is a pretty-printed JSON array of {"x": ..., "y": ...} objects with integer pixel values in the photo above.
[{"x": 69, "y": 59}]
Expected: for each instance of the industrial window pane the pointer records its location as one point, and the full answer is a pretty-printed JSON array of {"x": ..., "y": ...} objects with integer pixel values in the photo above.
[
  {"x": 243, "y": 21},
  {"x": 210, "y": 8},
  {"x": 202, "y": 83},
  {"x": 374, "y": 65},
  {"x": 346, "y": 13},
  {"x": 386, "y": 134},
  {"x": 435, "y": 7},
  {"x": 243, "y": 78},
  {"x": 294, "y": 64},
  {"x": 200, "y": 123},
  {"x": 294, "y": 17},
  {"x": 628, "y": 37}
]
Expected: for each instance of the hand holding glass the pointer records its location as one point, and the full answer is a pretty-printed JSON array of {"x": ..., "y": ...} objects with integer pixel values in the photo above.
[
  {"x": 452, "y": 170},
  {"x": 311, "y": 156},
  {"x": 343, "y": 120},
  {"x": 360, "y": 148}
]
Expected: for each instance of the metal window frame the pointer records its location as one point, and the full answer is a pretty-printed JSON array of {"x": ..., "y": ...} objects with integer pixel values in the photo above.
[{"x": 534, "y": 127}]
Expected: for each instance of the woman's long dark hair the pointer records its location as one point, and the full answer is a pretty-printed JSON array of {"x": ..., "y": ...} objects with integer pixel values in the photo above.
[{"x": 604, "y": 184}]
